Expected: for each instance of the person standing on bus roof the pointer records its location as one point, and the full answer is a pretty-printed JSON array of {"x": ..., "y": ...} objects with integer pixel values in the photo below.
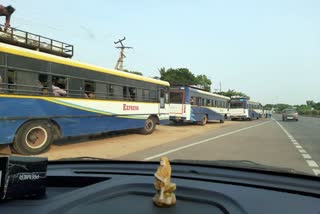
[{"x": 7, "y": 12}]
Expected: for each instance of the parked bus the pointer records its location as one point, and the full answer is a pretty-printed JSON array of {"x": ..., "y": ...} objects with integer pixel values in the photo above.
[
  {"x": 188, "y": 104},
  {"x": 245, "y": 109},
  {"x": 44, "y": 97}
]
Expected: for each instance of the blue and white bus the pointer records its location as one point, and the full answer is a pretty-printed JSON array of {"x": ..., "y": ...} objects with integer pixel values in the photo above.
[
  {"x": 44, "y": 97},
  {"x": 188, "y": 104},
  {"x": 245, "y": 109}
]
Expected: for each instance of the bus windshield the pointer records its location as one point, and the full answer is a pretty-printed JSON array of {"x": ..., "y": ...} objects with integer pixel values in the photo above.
[
  {"x": 236, "y": 105},
  {"x": 176, "y": 97}
]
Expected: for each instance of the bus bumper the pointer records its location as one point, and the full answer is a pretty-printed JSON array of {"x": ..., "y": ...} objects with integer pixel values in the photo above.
[
  {"x": 164, "y": 122},
  {"x": 176, "y": 118},
  {"x": 239, "y": 117}
]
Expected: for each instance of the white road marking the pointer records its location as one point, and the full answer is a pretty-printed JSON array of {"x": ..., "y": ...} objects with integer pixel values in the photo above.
[
  {"x": 316, "y": 171},
  {"x": 203, "y": 141},
  {"x": 304, "y": 154},
  {"x": 302, "y": 151},
  {"x": 312, "y": 163}
]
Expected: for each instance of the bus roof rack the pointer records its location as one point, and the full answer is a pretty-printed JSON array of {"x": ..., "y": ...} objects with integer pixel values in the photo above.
[
  {"x": 36, "y": 42},
  {"x": 240, "y": 97}
]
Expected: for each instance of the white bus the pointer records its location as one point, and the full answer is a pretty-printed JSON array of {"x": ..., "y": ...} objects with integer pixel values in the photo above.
[
  {"x": 245, "y": 109},
  {"x": 94, "y": 99},
  {"x": 188, "y": 104}
]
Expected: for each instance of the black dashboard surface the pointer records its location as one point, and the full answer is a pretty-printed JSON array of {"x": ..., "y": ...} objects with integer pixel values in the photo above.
[{"x": 127, "y": 187}]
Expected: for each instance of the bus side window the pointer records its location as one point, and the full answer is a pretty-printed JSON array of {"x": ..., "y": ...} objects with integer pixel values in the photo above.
[
  {"x": 101, "y": 90},
  {"x": 75, "y": 87},
  {"x": 208, "y": 102},
  {"x": 43, "y": 84},
  {"x": 197, "y": 101},
  {"x": 125, "y": 93},
  {"x": 167, "y": 98},
  {"x": 153, "y": 95},
  {"x": 12, "y": 81},
  {"x": 89, "y": 89},
  {"x": 146, "y": 94},
  {"x": 110, "y": 91},
  {"x": 162, "y": 98},
  {"x": 139, "y": 94},
  {"x": 2, "y": 81},
  {"x": 118, "y": 92},
  {"x": 192, "y": 100},
  {"x": 59, "y": 86},
  {"x": 132, "y": 93}
]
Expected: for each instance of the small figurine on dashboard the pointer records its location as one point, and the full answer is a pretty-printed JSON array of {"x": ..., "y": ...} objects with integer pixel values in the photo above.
[{"x": 165, "y": 196}]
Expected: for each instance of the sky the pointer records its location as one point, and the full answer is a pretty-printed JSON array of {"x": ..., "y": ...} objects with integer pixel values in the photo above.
[{"x": 269, "y": 50}]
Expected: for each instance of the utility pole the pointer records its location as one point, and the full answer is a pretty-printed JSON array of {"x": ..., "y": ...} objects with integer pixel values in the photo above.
[
  {"x": 119, "y": 65},
  {"x": 220, "y": 86}
]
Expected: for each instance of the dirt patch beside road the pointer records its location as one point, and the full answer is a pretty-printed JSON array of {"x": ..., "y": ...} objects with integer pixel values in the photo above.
[{"x": 118, "y": 144}]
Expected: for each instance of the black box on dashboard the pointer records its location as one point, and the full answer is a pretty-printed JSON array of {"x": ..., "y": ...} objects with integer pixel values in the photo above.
[{"x": 22, "y": 177}]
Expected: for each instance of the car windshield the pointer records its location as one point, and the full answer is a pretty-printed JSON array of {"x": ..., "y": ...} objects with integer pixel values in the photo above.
[
  {"x": 291, "y": 111},
  {"x": 196, "y": 81}
]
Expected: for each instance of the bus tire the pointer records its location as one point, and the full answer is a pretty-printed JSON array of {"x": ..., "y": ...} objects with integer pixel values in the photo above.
[
  {"x": 204, "y": 120},
  {"x": 221, "y": 121},
  {"x": 33, "y": 138},
  {"x": 149, "y": 126}
]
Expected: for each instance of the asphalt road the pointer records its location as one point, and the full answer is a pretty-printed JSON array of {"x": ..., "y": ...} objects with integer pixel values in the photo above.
[{"x": 270, "y": 142}]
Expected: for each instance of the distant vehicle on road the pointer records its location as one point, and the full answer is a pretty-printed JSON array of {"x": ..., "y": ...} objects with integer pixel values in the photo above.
[
  {"x": 290, "y": 114},
  {"x": 188, "y": 104},
  {"x": 245, "y": 109},
  {"x": 44, "y": 97}
]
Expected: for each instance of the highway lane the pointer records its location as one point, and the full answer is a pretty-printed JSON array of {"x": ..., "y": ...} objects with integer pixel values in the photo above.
[
  {"x": 261, "y": 141},
  {"x": 306, "y": 132}
]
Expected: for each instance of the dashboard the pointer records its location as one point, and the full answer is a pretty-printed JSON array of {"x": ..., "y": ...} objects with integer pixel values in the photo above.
[{"x": 127, "y": 187}]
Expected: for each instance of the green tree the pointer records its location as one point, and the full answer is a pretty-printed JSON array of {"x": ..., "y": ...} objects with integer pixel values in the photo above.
[
  {"x": 281, "y": 106},
  {"x": 231, "y": 93},
  {"x": 268, "y": 106},
  {"x": 179, "y": 76},
  {"x": 316, "y": 106},
  {"x": 204, "y": 81},
  {"x": 310, "y": 103},
  {"x": 304, "y": 109},
  {"x": 134, "y": 72}
]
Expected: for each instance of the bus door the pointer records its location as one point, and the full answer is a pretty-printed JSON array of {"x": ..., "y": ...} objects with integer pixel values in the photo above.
[{"x": 164, "y": 107}]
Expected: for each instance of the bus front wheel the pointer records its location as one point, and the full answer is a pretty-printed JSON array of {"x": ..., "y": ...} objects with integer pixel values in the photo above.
[
  {"x": 149, "y": 126},
  {"x": 204, "y": 120},
  {"x": 33, "y": 138}
]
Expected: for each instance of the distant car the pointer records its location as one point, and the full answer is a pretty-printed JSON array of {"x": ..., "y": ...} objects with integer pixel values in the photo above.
[{"x": 290, "y": 114}]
